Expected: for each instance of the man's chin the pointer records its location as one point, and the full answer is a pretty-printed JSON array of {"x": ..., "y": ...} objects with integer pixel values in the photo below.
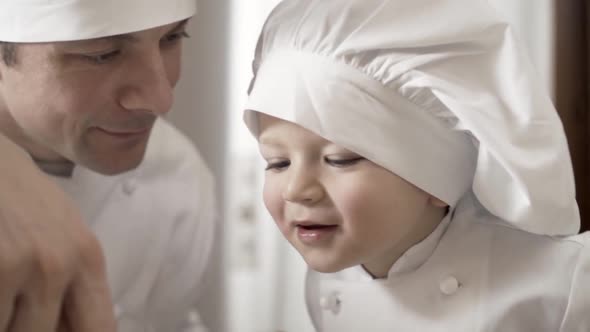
[
  {"x": 115, "y": 164},
  {"x": 116, "y": 169}
]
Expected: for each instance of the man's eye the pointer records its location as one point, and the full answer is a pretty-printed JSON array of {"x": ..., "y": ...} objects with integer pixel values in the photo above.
[
  {"x": 173, "y": 37},
  {"x": 101, "y": 58},
  {"x": 344, "y": 162},
  {"x": 279, "y": 165}
]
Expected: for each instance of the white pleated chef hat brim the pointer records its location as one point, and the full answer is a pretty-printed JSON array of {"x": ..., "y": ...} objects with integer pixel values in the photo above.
[
  {"x": 345, "y": 106},
  {"x": 31, "y": 21},
  {"x": 436, "y": 91}
]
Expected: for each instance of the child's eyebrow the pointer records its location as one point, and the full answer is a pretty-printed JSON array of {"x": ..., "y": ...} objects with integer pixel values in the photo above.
[
  {"x": 265, "y": 140},
  {"x": 270, "y": 145}
]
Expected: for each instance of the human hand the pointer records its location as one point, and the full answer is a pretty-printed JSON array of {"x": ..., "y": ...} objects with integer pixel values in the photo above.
[{"x": 52, "y": 268}]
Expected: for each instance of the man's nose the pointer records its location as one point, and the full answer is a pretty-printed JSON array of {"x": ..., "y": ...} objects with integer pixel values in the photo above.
[{"x": 149, "y": 87}]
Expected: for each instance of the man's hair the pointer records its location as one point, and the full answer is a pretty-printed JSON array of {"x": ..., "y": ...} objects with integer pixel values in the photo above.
[{"x": 8, "y": 53}]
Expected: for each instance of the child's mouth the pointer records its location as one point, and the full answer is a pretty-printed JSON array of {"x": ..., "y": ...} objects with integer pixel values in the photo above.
[
  {"x": 312, "y": 227},
  {"x": 310, "y": 233}
]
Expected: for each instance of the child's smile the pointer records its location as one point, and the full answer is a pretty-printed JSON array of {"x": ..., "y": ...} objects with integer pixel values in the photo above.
[{"x": 337, "y": 208}]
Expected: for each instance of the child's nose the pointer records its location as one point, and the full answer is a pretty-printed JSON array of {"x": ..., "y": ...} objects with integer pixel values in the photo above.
[{"x": 303, "y": 187}]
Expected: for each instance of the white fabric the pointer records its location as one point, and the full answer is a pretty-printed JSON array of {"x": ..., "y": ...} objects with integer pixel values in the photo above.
[
  {"x": 64, "y": 20},
  {"x": 437, "y": 91},
  {"x": 156, "y": 226},
  {"x": 507, "y": 280}
]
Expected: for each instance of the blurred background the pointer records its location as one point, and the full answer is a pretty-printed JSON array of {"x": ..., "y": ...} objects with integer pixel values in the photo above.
[{"x": 256, "y": 279}]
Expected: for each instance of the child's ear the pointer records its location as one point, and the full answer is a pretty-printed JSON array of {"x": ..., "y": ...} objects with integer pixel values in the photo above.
[{"x": 437, "y": 202}]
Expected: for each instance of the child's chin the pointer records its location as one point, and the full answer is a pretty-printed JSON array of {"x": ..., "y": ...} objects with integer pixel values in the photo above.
[{"x": 325, "y": 267}]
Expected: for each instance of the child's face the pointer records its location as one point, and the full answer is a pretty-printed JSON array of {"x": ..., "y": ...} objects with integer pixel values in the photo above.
[{"x": 337, "y": 208}]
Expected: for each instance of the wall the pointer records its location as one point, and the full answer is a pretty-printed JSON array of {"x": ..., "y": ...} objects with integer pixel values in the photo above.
[{"x": 200, "y": 112}]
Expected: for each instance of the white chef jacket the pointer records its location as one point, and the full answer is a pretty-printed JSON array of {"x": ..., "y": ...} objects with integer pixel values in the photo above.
[
  {"x": 474, "y": 273},
  {"x": 156, "y": 227}
]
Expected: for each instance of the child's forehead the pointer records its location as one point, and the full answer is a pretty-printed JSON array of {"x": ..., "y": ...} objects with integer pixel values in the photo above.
[{"x": 273, "y": 131}]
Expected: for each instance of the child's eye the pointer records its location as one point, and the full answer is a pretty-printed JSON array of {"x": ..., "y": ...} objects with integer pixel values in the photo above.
[
  {"x": 277, "y": 166},
  {"x": 343, "y": 162},
  {"x": 174, "y": 37},
  {"x": 101, "y": 58}
]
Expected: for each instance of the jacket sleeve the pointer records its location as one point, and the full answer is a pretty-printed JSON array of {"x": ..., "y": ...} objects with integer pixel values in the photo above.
[{"x": 577, "y": 315}]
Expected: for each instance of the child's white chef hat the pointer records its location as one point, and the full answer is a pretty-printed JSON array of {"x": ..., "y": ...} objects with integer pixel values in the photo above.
[
  {"x": 30, "y": 21},
  {"x": 437, "y": 91}
]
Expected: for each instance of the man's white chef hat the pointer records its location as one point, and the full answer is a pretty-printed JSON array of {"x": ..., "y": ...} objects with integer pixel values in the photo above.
[
  {"x": 437, "y": 91},
  {"x": 29, "y": 21}
]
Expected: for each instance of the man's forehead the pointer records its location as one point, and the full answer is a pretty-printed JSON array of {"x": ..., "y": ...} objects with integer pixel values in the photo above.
[
  {"x": 127, "y": 37},
  {"x": 39, "y": 21}
]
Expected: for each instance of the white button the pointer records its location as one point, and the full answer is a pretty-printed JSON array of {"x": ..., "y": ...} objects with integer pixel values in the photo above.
[
  {"x": 129, "y": 186},
  {"x": 330, "y": 303},
  {"x": 449, "y": 285},
  {"x": 193, "y": 317}
]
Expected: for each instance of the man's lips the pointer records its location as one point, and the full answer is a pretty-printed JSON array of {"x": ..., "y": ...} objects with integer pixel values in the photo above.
[{"x": 124, "y": 132}]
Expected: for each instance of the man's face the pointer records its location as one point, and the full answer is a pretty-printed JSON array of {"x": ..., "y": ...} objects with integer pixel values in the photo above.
[{"x": 93, "y": 102}]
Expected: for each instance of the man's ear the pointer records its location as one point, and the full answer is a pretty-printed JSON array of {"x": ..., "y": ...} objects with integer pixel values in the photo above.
[{"x": 437, "y": 202}]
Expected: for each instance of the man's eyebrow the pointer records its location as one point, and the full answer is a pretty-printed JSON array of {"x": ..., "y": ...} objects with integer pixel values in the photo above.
[
  {"x": 179, "y": 26},
  {"x": 130, "y": 37}
]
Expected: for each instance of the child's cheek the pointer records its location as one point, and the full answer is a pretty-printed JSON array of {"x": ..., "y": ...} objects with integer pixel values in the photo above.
[
  {"x": 273, "y": 201},
  {"x": 354, "y": 199}
]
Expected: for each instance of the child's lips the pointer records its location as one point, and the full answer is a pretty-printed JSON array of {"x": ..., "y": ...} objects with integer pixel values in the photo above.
[
  {"x": 311, "y": 233},
  {"x": 317, "y": 226},
  {"x": 309, "y": 223}
]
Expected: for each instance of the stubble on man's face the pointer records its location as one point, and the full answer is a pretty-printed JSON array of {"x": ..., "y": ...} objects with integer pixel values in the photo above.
[{"x": 92, "y": 102}]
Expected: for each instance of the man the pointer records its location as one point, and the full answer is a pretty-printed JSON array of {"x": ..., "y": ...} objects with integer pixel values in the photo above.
[{"x": 82, "y": 86}]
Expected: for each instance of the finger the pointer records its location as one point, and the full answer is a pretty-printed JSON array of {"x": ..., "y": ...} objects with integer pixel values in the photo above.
[
  {"x": 63, "y": 324},
  {"x": 38, "y": 310},
  {"x": 88, "y": 306},
  {"x": 63, "y": 328},
  {"x": 6, "y": 310},
  {"x": 11, "y": 284},
  {"x": 12, "y": 270}
]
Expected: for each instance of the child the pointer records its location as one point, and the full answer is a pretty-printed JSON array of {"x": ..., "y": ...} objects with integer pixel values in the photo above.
[{"x": 417, "y": 166}]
